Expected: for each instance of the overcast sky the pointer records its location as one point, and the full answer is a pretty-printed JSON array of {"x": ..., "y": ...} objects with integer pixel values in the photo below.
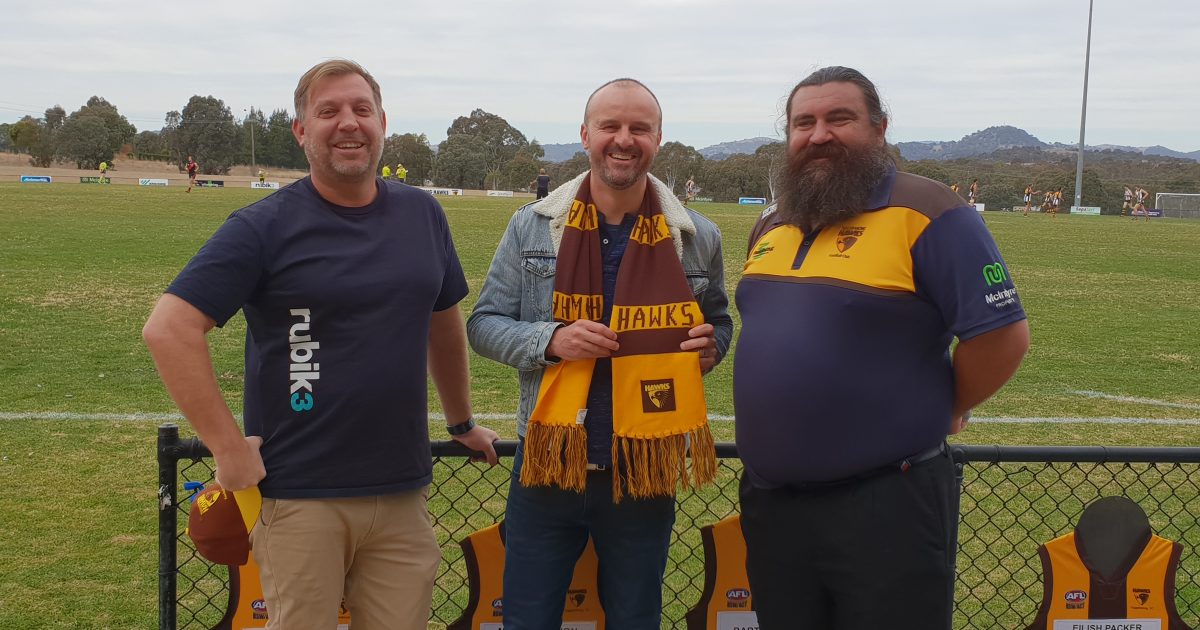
[{"x": 720, "y": 68}]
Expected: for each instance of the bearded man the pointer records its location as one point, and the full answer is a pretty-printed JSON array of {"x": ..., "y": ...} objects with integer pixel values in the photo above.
[{"x": 856, "y": 282}]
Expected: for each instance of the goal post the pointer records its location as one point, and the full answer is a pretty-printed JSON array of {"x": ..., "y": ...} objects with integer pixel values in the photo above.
[{"x": 1178, "y": 205}]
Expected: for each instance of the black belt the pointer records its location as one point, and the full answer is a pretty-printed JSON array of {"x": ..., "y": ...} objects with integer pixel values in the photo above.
[
  {"x": 901, "y": 466},
  {"x": 923, "y": 456}
]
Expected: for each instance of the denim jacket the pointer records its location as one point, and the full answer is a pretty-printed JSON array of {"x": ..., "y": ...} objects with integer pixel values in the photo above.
[{"x": 512, "y": 321}]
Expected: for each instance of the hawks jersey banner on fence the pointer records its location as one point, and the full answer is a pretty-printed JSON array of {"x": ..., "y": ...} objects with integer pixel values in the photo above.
[
  {"x": 725, "y": 603},
  {"x": 247, "y": 606},
  {"x": 483, "y": 553},
  {"x": 1142, "y": 597}
]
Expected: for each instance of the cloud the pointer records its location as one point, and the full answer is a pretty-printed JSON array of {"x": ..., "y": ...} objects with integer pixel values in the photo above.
[{"x": 718, "y": 67}]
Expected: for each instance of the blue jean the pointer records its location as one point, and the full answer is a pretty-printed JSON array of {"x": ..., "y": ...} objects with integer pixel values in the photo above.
[{"x": 546, "y": 530}]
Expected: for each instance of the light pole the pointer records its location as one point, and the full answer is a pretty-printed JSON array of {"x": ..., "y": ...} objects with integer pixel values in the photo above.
[
  {"x": 251, "y": 123},
  {"x": 1087, "y": 58}
]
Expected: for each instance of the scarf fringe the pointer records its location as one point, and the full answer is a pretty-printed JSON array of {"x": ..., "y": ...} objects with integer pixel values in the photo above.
[
  {"x": 555, "y": 455},
  {"x": 656, "y": 467}
]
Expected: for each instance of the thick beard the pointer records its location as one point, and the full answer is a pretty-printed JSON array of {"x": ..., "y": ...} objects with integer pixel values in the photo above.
[{"x": 813, "y": 196}]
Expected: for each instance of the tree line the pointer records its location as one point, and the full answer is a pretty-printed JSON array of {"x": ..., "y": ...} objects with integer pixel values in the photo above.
[{"x": 482, "y": 150}]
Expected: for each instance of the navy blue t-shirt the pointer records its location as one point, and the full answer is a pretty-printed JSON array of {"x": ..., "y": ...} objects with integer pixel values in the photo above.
[{"x": 337, "y": 303}]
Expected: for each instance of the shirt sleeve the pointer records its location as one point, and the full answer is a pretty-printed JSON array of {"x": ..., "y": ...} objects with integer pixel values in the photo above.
[
  {"x": 222, "y": 276},
  {"x": 957, "y": 267},
  {"x": 454, "y": 281}
]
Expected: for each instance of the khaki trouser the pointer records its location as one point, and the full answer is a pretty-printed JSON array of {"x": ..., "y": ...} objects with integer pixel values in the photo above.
[{"x": 378, "y": 554}]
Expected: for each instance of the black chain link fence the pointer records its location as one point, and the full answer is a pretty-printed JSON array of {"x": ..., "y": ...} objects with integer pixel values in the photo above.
[{"x": 1014, "y": 499}]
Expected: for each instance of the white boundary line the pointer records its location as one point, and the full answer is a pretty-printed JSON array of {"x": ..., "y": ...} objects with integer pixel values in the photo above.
[
  {"x": 1132, "y": 399},
  {"x": 174, "y": 417}
]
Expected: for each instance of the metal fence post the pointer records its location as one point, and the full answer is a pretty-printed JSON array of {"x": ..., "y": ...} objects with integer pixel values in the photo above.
[{"x": 168, "y": 522}]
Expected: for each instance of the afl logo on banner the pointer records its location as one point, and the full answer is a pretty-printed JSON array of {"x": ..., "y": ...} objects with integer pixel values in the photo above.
[
  {"x": 259, "y": 608},
  {"x": 737, "y": 597}
]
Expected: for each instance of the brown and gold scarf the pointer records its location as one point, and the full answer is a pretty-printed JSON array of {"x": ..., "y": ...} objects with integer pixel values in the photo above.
[{"x": 658, "y": 393}]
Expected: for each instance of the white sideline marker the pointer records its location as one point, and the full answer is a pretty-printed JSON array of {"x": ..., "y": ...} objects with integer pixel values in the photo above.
[{"x": 1132, "y": 399}]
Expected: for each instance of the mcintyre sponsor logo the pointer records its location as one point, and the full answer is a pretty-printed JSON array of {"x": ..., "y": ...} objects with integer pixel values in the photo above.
[
  {"x": 1001, "y": 299},
  {"x": 994, "y": 274},
  {"x": 303, "y": 370}
]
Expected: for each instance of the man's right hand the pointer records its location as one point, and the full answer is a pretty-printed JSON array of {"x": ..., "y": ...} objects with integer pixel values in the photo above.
[
  {"x": 241, "y": 468},
  {"x": 582, "y": 339}
]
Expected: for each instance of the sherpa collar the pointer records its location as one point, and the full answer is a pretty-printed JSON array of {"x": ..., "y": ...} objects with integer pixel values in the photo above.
[{"x": 558, "y": 202}]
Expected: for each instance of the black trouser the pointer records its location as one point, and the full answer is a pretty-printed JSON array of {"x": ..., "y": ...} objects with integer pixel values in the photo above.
[{"x": 866, "y": 553}]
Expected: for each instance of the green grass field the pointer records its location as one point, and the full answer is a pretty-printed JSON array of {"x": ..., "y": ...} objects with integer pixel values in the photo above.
[{"x": 1113, "y": 308}]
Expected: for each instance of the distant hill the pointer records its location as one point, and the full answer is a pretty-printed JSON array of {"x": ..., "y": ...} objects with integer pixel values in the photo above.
[
  {"x": 1009, "y": 142},
  {"x": 998, "y": 141},
  {"x": 561, "y": 152},
  {"x": 982, "y": 142},
  {"x": 726, "y": 149},
  {"x": 1164, "y": 151}
]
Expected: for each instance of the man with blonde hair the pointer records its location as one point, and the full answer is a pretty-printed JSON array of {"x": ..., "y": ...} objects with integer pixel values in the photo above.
[{"x": 350, "y": 287}]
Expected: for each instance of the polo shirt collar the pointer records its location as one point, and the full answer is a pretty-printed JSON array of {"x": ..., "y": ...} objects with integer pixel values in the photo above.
[{"x": 882, "y": 194}]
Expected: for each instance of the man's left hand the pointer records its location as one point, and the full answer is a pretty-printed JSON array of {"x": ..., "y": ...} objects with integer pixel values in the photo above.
[
  {"x": 702, "y": 340},
  {"x": 958, "y": 424},
  {"x": 480, "y": 439}
]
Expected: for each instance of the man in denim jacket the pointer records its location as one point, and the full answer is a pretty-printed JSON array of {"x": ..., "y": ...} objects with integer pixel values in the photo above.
[{"x": 547, "y": 527}]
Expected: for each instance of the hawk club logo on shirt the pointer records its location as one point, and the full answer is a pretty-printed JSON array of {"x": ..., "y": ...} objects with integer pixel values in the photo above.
[
  {"x": 1142, "y": 595},
  {"x": 658, "y": 396},
  {"x": 848, "y": 236},
  {"x": 576, "y": 597},
  {"x": 302, "y": 370}
]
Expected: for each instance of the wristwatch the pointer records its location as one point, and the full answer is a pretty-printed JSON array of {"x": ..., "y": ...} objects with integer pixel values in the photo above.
[{"x": 462, "y": 428}]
